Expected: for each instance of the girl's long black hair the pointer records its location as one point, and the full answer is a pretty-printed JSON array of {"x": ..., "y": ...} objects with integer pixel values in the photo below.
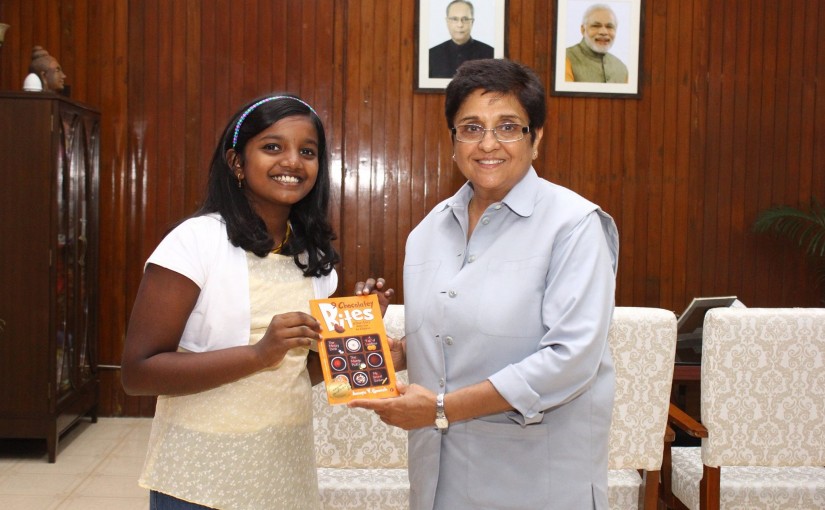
[{"x": 309, "y": 219}]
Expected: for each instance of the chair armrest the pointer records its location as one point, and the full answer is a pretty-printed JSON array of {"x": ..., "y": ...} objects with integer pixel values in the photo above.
[
  {"x": 681, "y": 419},
  {"x": 670, "y": 435}
]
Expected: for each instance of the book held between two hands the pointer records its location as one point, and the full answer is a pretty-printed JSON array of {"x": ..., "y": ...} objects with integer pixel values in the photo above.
[{"x": 355, "y": 354}]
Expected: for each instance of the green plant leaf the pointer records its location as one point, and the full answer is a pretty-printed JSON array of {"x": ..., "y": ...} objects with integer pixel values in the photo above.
[{"x": 805, "y": 227}]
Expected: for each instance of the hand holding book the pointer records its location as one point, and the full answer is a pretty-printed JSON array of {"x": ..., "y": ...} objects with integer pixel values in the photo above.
[
  {"x": 376, "y": 286},
  {"x": 286, "y": 331},
  {"x": 355, "y": 354},
  {"x": 398, "y": 347}
]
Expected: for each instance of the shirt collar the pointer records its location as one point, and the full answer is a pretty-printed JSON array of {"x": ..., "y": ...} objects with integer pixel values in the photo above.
[
  {"x": 520, "y": 199},
  {"x": 457, "y": 46}
]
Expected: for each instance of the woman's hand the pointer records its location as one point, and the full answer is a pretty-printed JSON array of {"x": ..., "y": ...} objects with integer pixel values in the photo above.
[
  {"x": 286, "y": 331},
  {"x": 376, "y": 286},
  {"x": 413, "y": 409}
]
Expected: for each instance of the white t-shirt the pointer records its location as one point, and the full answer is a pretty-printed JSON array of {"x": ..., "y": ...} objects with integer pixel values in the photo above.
[{"x": 199, "y": 249}]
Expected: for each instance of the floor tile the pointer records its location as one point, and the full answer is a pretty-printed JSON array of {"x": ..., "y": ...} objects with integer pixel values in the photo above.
[
  {"x": 38, "y": 484},
  {"x": 24, "y": 502},
  {"x": 97, "y": 467},
  {"x": 101, "y": 503},
  {"x": 132, "y": 446},
  {"x": 7, "y": 464},
  {"x": 88, "y": 444},
  {"x": 110, "y": 486},
  {"x": 120, "y": 465},
  {"x": 65, "y": 464}
]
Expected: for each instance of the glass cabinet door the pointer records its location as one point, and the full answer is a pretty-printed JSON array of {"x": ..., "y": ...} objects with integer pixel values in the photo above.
[
  {"x": 74, "y": 203},
  {"x": 87, "y": 254},
  {"x": 64, "y": 263}
]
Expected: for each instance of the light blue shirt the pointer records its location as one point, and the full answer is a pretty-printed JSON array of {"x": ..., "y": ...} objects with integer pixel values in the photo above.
[{"x": 525, "y": 303}]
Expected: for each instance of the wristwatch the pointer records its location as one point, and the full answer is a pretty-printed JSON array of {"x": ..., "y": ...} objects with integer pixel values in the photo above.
[{"x": 441, "y": 422}]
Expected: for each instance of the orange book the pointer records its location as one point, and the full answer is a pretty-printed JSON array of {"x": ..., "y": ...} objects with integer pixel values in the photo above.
[{"x": 355, "y": 354}]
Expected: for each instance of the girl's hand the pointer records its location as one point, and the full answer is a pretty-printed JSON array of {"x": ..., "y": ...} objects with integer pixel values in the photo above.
[
  {"x": 376, "y": 286},
  {"x": 287, "y": 331}
]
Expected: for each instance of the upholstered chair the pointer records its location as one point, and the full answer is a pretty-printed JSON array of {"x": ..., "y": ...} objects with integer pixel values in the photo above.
[
  {"x": 763, "y": 413},
  {"x": 362, "y": 462},
  {"x": 643, "y": 345}
]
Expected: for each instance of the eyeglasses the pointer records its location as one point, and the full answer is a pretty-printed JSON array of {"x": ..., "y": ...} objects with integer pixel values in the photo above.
[
  {"x": 506, "y": 133},
  {"x": 463, "y": 20}
]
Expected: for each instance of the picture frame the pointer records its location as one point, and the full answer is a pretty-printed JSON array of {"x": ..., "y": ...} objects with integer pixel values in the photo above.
[
  {"x": 624, "y": 50},
  {"x": 433, "y": 36},
  {"x": 690, "y": 324}
]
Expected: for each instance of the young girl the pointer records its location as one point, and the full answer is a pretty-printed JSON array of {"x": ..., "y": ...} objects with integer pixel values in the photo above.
[{"x": 220, "y": 328}]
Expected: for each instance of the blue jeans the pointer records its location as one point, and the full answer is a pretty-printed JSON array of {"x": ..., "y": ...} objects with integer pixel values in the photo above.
[{"x": 161, "y": 501}]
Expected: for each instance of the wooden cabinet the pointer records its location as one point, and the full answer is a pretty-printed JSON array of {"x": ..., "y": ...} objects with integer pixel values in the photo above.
[{"x": 49, "y": 168}]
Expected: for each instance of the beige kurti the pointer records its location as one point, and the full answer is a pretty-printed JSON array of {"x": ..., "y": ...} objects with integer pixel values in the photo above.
[{"x": 247, "y": 444}]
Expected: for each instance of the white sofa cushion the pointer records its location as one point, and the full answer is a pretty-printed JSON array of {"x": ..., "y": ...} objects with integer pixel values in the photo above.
[
  {"x": 623, "y": 486},
  {"x": 747, "y": 488},
  {"x": 763, "y": 404},
  {"x": 358, "y": 488},
  {"x": 355, "y": 438}
]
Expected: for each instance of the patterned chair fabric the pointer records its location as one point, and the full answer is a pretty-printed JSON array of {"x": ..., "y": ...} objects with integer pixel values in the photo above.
[
  {"x": 362, "y": 463},
  {"x": 643, "y": 344},
  {"x": 763, "y": 405},
  {"x": 623, "y": 488}
]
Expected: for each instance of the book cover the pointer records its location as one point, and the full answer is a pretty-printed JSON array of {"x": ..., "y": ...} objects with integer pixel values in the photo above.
[{"x": 354, "y": 352}]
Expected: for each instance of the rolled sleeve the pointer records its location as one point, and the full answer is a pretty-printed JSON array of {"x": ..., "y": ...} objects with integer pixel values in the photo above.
[{"x": 576, "y": 310}]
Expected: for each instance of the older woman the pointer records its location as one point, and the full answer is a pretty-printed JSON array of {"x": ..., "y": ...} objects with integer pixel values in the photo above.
[{"x": 509, "y": 291}]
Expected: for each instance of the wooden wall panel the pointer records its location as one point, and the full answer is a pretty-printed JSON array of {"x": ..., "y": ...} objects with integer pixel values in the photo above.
[
  {"x": 726, "y": 126},
  {"x": 108, "y": 90}
]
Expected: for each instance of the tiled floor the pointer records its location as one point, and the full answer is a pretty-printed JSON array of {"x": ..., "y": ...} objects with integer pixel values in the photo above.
[{"x": 97, "y": 469}]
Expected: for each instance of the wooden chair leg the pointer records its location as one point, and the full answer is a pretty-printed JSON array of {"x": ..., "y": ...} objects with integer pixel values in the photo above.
[
  {"x": 651, "y": 496},
  {"x": 665, "y": 493},
  {"x": 709, "y": 488}
]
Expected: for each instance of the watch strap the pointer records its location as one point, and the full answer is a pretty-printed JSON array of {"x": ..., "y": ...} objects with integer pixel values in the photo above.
[{"x": 441, "y": 422}]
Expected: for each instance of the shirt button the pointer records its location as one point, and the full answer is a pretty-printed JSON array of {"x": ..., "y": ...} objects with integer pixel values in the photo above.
[
  {"x": 448, "y": 340},
  {"x": 471, "y": 258},
  {"x": 452, "y": 293},
  {"x": 497, "y": 207},
  {"x": 441, "y": 382},
  {"x": 485, "y": 220}
]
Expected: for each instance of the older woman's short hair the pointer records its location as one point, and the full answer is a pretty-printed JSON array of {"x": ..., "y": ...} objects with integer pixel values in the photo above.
[{"x": 498, "y": 75}]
